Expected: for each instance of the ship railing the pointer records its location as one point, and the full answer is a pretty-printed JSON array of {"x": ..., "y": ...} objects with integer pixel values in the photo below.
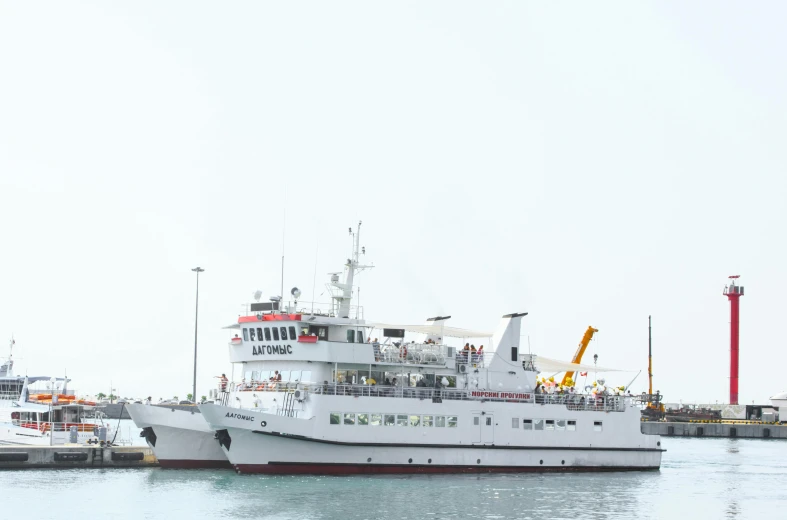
[
  {"x": 412, "y": 353},
  {"x": 9, "y": 396},
  {"x": 56, "y": 427},
  {"x": 577, "y": 402},
  {"x": 326, "y": 309}
]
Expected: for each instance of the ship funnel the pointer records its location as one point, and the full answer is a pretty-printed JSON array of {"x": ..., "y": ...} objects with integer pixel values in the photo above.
[{"x": 505, "y": 343}]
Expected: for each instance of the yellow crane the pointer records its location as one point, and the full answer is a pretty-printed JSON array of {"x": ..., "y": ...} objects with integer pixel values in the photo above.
[
  {"x": 583, "y": 345},
  {"x": 654, "y": 403}
]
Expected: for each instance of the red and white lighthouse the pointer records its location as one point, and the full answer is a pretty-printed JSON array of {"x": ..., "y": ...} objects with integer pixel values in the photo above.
[{"x": 734, "y": 292}]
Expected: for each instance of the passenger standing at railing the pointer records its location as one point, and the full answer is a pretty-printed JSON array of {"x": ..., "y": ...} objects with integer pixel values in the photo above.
[
  {"x": 376, "y": 348},
  {"x": 480, "y": 354},
  {"x": 223, "y": 382}
]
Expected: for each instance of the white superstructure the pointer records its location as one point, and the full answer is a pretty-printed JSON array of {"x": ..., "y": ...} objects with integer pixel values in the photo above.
[{"x": 317, "y": 396}]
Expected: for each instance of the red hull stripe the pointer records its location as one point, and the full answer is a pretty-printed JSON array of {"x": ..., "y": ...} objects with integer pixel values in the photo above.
[
  {"x": 295, "y": 468},
  {"x": 270, "y": 317},
  {"x": 194, "y": 464}
]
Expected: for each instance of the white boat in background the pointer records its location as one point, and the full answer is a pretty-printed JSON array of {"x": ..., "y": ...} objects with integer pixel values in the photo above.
[
  {"x": 318, "y": 397},
  {"x": 179, "y": 438},
  {"x": 42, "y": 411}
]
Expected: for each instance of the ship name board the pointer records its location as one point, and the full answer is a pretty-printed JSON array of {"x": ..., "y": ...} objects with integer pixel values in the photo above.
[
  {"x": 233, "y": 415},
  {"x": 500, "y": 395},
  {"x": 261, "y": 350}
]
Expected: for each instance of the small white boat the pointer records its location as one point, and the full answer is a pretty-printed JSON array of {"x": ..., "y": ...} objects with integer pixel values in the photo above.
[{"x": 45, "y": 416}]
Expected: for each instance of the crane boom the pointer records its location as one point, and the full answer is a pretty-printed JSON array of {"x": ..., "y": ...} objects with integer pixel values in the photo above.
[{"x": 583, "y": 345}]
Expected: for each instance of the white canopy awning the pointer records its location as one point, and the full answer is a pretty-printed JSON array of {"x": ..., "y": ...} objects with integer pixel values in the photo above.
[
  {"x": 553, "y": 365},
  {"x": 435, "y": 329}
]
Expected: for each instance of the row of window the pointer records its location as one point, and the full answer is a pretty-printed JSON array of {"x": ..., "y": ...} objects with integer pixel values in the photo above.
[
  {"x": 378, "y": 419},
  {"x": 450, "y": 421},
  {"x": 550, "y": 424},
  {"x": 269, "y": 334}
]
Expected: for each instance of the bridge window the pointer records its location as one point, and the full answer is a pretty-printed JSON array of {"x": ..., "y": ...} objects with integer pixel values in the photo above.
[
  {"x": 390, "y": 420},
  {"x": 572, "y": 426},
  {"x": 350, "y": 336},
  {"x": 452, "y": 420},
  {"x": 377, "y": 419},
  {"x": 538, "y": 424},
  {"x": 359, "y": 336},
  {"x": 349, "y": 418},
  {"x": 245, "y": 334},
  {"x": 515, "y": 422},
  {"x": 283, "y": 333},
  {"x": 439, "y": 421},
  {"x": 306, "y": 376},
  {"x": 401, "y": 420},
  {"x": 292, "y": 333},
  {"x": 597, "y": 426},
  {"x": 550, "y": 424},
  {"x": 320, "y": 331},
  {"x": 415, "y": 420},
  {"x": 267, "y": 334},
  {"x": 251, "y": 335},
  {"x": 275, "y": 334},
  {"x": 560, "y": 425},
  {"x": 363, "y": 419},
  {"x": 527, "y": 424},
  {"x": 428, "y": 421},
  {"x": 259, "y": 334},
  {"x": 336, "y": 418}
]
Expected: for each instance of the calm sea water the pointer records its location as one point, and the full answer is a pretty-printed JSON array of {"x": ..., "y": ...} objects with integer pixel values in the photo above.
[{"x": 700, "y": 478}]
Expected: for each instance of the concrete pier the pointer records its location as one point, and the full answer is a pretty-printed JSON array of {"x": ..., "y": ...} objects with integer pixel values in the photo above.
[
  {"x": 730, "y": 429},
  {"x": 75, "y": 456}
]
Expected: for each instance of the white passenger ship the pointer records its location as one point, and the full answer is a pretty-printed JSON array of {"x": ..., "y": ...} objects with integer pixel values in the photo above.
[
  {"x": 42, "y": 411},
  {"x": 318, "y": 396}
]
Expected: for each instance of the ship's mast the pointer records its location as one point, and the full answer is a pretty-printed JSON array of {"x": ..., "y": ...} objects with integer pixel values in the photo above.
[
  {"x": 7, "y": 368},
  {"x": 344, "y": 298}
]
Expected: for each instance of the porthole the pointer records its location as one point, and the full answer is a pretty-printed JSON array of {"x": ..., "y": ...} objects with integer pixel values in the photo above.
[
  {"x": 541, "y": 461},
  {"x": 410, "y": 461},
  {"x": 369, "y": 459},
  {"x": 658, "y": 443},
  {"x": 478, "y": 461},
  {"x": 563, "y": 462},
  {"x": 430, "y": 461}
]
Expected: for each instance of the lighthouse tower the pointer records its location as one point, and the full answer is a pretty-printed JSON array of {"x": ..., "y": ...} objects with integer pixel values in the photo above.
[{"x": 734, "y": 292}]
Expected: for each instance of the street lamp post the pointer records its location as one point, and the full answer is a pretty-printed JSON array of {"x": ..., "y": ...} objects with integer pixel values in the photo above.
[{"x": 197, "y": 270}]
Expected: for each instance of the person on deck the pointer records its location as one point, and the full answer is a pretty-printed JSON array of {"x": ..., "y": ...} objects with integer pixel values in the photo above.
[{"x": 223, "y": 382}]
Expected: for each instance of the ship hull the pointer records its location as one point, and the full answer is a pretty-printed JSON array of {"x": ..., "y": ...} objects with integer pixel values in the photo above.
[
  {"x": 180, "y": 439},
  {"x": 279, "y": 448}
]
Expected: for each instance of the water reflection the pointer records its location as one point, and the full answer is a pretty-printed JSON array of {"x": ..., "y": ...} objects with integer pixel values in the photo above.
[
  {"x": 499, "y": 495},
  {"x": 733, "y": 479}
]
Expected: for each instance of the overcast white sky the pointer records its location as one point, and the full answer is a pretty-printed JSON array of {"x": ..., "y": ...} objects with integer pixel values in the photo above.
[{"x": 589, "y": 163}]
